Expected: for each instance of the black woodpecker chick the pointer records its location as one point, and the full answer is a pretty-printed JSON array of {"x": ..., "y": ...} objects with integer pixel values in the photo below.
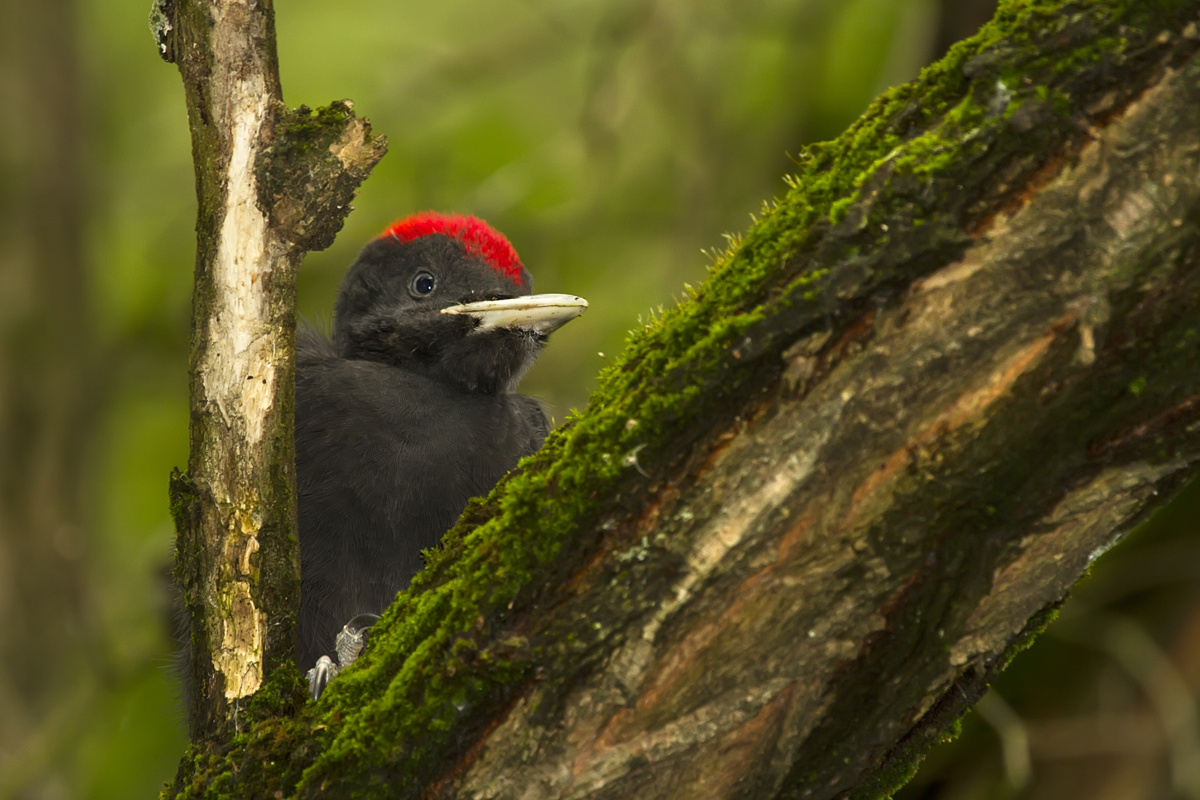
[{"x": 409, "y": 411}]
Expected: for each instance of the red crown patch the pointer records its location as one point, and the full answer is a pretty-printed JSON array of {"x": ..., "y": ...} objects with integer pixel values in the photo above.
[{"x": 479, "y": 238}]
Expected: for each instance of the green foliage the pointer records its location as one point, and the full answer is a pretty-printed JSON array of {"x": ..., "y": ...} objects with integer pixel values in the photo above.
[{"x": 612, "y": 143}]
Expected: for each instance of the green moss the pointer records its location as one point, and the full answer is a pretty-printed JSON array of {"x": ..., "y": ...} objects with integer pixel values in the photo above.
[
  {"x": 1033, "y": 629},
  {"x": 837, "y": 210},
  {"x": 676, "y": 368},
  {"x": 304, "y": 129},
  {"x": 181, "y": 495},
  {"x": 283, "y": 694},
  {"x": 302, "y": 157},
  {"x": 923, "y": 161},
  {"x": 889, "y": 781}
]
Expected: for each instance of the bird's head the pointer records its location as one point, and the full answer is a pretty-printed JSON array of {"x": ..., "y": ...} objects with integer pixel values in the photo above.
[{"x": 446, "y": 295}]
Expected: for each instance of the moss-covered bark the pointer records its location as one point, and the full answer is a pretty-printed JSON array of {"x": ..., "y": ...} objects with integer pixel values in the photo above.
[
  {"x": 817, "y": 506},
  {"x": 271, "y": 184}
]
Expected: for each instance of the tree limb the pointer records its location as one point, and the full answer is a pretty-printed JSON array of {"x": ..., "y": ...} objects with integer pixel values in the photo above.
[
  {"x": 816, "y": 507},
  {"x": 271, "y": 184}
]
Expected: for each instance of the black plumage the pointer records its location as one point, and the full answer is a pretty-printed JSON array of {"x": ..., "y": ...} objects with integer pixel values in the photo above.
[{"x": 408, "y": 411}]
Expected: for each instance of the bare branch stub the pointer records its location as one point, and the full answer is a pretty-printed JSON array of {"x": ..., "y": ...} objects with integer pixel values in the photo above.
[{"x": 271, "y": 184}]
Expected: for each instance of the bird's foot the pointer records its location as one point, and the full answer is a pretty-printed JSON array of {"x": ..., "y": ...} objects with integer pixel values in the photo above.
[{"x": 348, "y": 645}]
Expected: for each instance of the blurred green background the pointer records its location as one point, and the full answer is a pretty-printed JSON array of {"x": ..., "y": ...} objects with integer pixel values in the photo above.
[{"x": 613, "y": 142}]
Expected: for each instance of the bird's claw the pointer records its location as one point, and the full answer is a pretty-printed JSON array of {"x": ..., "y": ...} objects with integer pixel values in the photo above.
[
  {"x": 320, "y": 676},
  {"x": 348, "y": 646}
]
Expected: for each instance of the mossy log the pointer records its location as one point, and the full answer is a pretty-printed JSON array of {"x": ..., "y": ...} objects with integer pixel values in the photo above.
[{"x": 817, "y": 506}]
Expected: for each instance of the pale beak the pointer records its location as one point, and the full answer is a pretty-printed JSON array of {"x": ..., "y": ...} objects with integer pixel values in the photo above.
[{"x": 539, "y": 313}]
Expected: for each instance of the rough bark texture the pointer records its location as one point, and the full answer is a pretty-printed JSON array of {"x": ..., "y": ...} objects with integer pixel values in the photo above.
[
  {"x": 272, "y": 184},
  {"x": 818, "y": 505}
]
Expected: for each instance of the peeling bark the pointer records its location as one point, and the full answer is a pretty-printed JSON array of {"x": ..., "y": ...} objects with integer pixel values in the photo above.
[
  {"x": 857, "y": 555},
  {"x": 237, "y": 561},
  {"x": 819, "y": 505}
]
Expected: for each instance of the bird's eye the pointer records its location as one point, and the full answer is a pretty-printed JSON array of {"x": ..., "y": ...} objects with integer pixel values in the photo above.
[{"x": 423, "y": 283}]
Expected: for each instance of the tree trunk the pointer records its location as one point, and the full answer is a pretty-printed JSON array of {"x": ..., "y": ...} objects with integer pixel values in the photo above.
[
  {"x": 271, "y": 185},
  {"x": 817, "y": 506}
]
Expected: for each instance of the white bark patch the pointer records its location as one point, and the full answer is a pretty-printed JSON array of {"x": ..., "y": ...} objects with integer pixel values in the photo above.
[
  {"x": 238, "y": 372},
  {"x": 349, "y": 146},
  {"x": 238, "y": 368},
  {"x": 726, "y": 531},
  {"x": 240, "y": 654},
  {"x": 958, "y": 271},
  {"x": 1132, "y": 214}
]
